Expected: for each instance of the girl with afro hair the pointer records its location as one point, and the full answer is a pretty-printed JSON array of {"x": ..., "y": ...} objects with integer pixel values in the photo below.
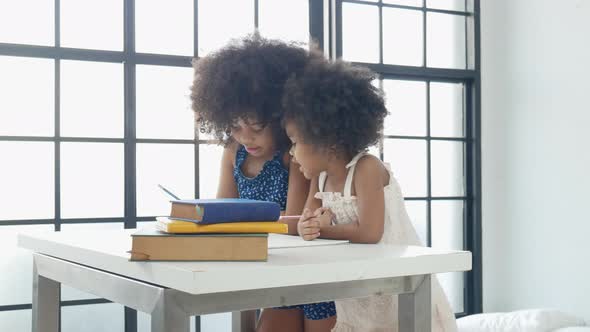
[
  {"x": 332, "y": 115},
  {"x": 236, "y": 96}
]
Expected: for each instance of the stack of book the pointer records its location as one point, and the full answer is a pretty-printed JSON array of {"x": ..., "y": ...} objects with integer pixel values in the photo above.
[{"x": 210, "y": 229}]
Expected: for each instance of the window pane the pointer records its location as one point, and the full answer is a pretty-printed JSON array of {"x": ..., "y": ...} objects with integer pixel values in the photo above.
[
  {"x": 93, "y": 318},
  {"x": 414, "y": 3},
  {"x": 445, "y": 41},
  {"x": 16, "y": 265},
  {"x": 164, "y": 28},
  {"x": 403, "y": 37},
  {"x": 144, "y": 322},
  {"x": 286, "y": 20},
  {"x": 417, "y": 210},
  {"x": 406, "y": 103},
  {"x": 27, "y": 177},
  {"x": 171, "y": 165},
  {"x": 447, "y": 168},
  {"x": 82, "y": 113},
  {"x": 446, "y": 110},
  {"x": 17, "y": 320},
  {"x": 21, "y": 24},
  {"x": 145, "y": 224},
  {"x": 360, "y": 33},
  {"x": 216, "y": 322},
  {"x": 21, "y": 115},
  {"x": 163, "y": 103},
  {"x": 205, "y": 136},
  {"x": 374, "y": 150},
  {"x": 408, "y": 162},
  {"x": 458, "y": 5},
  {"x": 92, "y": 180},
  {"x": 220, "y": 21},
  {"x": 447, "y": 233},
  {"x": 92, "y": 24},
  {"x": 69, "y": 293},
  {"x": 209, "y": 167},
  {"x": 447, "y": 224}
]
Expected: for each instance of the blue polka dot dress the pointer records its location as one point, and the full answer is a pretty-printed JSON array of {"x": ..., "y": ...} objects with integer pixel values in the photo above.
[{"x": 271, "y": 184}]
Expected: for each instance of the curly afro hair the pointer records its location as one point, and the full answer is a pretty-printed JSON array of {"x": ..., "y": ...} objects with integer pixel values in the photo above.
[
  {"x": 244, "y": 79},
  {"x": 335, "y": 106}
]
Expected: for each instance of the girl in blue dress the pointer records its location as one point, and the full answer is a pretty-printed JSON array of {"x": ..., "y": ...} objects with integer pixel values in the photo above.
[{"x": 236, "y": 95}]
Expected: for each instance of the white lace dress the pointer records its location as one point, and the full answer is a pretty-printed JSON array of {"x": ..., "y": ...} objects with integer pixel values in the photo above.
[{"x": 379, "y": 313}]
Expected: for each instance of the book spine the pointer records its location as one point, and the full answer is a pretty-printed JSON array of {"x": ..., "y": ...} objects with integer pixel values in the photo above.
[
  {"x": 243, "y": 227},
  {"x": 186, "y": 211}
]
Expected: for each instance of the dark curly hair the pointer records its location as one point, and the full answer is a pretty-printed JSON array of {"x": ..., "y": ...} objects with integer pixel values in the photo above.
[
  {"x": 244, "y": 79},
  {"x": 335, "y": 106}
]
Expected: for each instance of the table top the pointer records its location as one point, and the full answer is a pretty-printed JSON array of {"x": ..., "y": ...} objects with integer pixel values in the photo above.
[{"x": 295, "y": 266}]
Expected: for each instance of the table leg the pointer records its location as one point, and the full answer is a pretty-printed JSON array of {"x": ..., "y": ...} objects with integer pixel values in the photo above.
[
  {"x": 46, "y": 298},
  {"x": 167, "y": 316},
  {"x": 243, "y": 321},
  {"x": 415, "y": 309}
]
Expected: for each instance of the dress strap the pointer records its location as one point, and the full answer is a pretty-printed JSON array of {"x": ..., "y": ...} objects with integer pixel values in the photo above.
[
  {"x": 351, "y": 166},
  {"x": 241, "y": 155},
  {"x": 322, "y": 181}
]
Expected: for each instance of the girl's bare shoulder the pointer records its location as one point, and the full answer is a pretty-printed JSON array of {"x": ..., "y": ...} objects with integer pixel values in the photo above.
[
  {"x": 370, "y": 167},
  {"x": 229, "y": 152}
]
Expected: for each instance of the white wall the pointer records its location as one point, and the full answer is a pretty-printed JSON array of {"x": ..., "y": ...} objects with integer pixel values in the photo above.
[{"x": 536, "y": 154}]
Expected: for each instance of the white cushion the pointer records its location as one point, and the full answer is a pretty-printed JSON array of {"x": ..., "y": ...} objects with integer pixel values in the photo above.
[{"x": 534, "y": 320}]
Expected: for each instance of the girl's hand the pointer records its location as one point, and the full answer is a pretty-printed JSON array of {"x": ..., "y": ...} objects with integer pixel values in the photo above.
[
  {"x": 325, "y": 216},
  {"x": 308, "y": 226}
]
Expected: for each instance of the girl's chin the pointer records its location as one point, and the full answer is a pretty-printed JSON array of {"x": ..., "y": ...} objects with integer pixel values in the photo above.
[{"x": 305, "y": 173}]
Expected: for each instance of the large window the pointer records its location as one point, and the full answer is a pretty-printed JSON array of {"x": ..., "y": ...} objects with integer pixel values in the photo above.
[{"x": 94, "y": 113}]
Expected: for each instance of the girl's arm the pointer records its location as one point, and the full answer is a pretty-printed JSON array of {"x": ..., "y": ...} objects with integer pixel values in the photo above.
[
  {"x": 308, "y": 226},
  {"x": 227, "y": 185},
  {"x": 313, "y": 203},
  {"x": 296, "y": 195},
  {"x": 369, "y": 179}
]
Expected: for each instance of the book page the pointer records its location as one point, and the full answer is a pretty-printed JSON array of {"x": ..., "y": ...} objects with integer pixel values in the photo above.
[{"x": 278, "y": 241}]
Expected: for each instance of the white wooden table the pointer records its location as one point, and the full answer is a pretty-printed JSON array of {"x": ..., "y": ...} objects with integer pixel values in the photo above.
[{"x": 96, "y": 262}]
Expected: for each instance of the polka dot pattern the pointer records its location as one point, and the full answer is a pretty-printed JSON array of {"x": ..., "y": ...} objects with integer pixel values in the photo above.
[
  {"x": 315, "y": 311},
  {"x": 270, "y": 184}
]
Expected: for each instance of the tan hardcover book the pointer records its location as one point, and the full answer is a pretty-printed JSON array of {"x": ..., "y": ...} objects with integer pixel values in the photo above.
[{"x": 149, "y": 244}]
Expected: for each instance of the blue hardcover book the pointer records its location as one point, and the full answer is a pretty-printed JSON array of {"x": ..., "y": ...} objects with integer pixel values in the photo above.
[{"x": 211, "y": 211}]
